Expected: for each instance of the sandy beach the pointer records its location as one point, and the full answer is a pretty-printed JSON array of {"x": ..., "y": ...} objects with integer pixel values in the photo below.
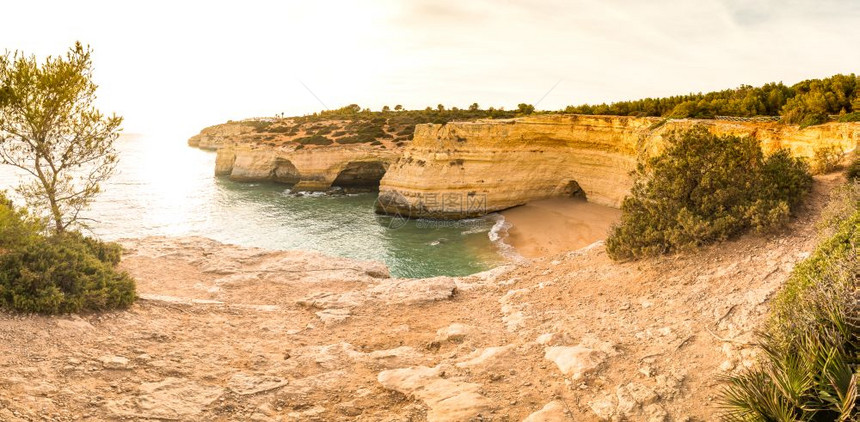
[{"x": 553, "y": 226}]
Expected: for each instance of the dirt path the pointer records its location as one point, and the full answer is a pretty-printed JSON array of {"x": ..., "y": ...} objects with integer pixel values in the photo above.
[{"x": 227, "y": 333}]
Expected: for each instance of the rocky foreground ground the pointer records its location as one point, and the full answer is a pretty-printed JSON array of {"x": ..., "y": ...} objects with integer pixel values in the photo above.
[{"x": 228, "y": 333}]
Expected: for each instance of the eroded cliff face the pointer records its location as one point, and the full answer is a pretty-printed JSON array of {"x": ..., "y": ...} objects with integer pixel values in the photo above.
[
  {"x": 467, "y": 169},
  {"x": 214, "y": 137},
  {"x": 312, "y": 169}
]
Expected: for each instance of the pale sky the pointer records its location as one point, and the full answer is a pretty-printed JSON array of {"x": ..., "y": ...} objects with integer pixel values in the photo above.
[{"x": 173, "y": 67}]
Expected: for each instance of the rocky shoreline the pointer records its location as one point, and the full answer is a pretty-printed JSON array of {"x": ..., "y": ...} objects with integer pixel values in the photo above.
[{"x": 224, "y": 332}]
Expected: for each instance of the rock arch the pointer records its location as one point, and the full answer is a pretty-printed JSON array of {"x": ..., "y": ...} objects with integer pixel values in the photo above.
[
  {"x": 361, "y": 174},
  {"x": 285, "y": 172}
]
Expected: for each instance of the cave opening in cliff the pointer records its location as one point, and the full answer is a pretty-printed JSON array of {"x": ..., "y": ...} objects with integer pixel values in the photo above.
[
  {"x": 285, "y": 172},
  {"x": 361, "y": 175},
  {"x": 571, "y": 189}
]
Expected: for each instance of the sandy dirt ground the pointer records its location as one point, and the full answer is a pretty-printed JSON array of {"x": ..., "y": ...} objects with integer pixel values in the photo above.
[
  {"x": 225, "y": 333},
  {"x": 553, "y": 226}
]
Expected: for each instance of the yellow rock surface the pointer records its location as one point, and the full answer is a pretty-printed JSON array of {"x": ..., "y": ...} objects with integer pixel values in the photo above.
[
  {"x": 468, "y": 169},
  {"x": 308, "y": 169}
]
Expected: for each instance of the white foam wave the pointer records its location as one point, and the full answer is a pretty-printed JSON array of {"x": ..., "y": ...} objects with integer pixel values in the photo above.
[{"x": 498, "y": 234}]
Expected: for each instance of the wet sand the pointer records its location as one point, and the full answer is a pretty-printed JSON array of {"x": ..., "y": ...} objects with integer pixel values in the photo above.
[{"x": 553, "y": 226}]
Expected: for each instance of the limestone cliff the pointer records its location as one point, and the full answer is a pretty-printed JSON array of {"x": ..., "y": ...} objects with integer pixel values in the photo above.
[
  {"x": 214, "y": 137},
  {"x": 310, "y": 153},
  {"x": 467, "y": 169},
  {"x": 308, "y": 169}
]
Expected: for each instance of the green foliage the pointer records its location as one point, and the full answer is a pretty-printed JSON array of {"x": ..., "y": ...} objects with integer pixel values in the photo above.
[
  {"x": 826, "y": 158},
  {"x": 853, "y": 171},
  {"x": 50, "y": 129},
  {"x": 365, "y": 126},
  {"x": 356, "y": 139},
  {"x": 64, "y": 273},
  {"x": 526, "y": 109},
  {"x": 805, "y": 103},
  {"x": 16, "y": 227},
  {"x": 704, "y": 188},
  {"x": 260, "y": 125},
  {"x": 851, "y": 117},
  {"x": 812, "y": 342},
  {"x": 314, "y": 140}
]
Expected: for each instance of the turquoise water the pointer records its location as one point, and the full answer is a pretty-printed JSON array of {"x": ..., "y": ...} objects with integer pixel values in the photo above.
[{"x": 163, "y": 187}]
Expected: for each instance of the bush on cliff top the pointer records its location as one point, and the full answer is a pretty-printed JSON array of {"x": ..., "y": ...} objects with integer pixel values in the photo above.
[
  {"x": 812, "y": 342},
  {"x": 853, "y": 170},
  {"x": 314, "y": 140},
  {"x": 60, "y": 273},
  {"x": 704, "y": 188}
]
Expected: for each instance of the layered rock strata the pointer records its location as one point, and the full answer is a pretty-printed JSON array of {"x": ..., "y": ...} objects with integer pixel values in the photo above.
[{"x": 468, "y": 169}]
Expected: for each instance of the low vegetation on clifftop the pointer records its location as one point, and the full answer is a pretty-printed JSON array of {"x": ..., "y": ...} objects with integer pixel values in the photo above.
[{"x": 351, "y": 125}]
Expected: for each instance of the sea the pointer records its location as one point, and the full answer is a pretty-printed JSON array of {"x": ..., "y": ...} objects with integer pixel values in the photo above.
[{"x": 162, "y": 187}]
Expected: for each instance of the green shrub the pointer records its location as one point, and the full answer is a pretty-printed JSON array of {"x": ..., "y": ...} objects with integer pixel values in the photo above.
[
  {"x": 811, "y": 344},
  {"x": 853, "y": 170},
  {"x": 314, "y": 140},
  {"x": 16, "y": 227},
  {"x": 356, "y": 139},
  {"x": 64, "y": 273},
  {"x": 850, "y": 117},
  {"x": 704, "y": 188},
  {"x": 826, "y": 158},
  {"x": 258, "y": 125}
]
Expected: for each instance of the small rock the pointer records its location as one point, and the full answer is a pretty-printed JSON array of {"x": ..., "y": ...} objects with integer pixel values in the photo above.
[
  {"x": 551, "y": 412},
  {"x": 655, "y": 413},
  {"x": 490, "y": 356},
  {"x": 576, "y": 361},
  {"x": 604, "y": 406},
  {"x": 544, "y": 338},
  {"x": 446, "y": 398},
  {"x": 115, "y": 362},
  {"x": 244, "y": 384},
  {"x": 454, "y": 333},
  {"x": 333, "y": 316}
]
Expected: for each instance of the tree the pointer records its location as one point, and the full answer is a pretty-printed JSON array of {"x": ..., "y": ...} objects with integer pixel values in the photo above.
[
  {"x": 440, "y": 107},
  {"x": 525, "y": 108},
  {"x": 50, "y": 129},
  {"x": 385, "y": 109},
  {"x": 398, "y": 107},
  {"x": 474, "y": 107}
]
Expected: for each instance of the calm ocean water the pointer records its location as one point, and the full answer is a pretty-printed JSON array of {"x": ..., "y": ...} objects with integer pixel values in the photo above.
[{"x": 163, "y": 187}]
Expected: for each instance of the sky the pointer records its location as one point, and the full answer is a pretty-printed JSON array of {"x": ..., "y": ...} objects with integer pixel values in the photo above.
[{"x": 174, "y": 67}]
